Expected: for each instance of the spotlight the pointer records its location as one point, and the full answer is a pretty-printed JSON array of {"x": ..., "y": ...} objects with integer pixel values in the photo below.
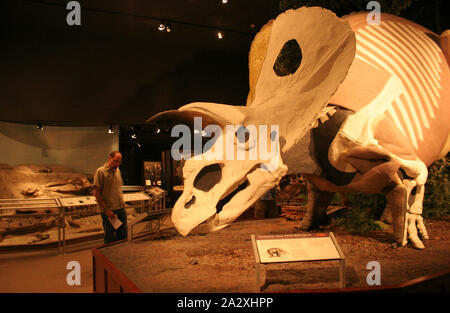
[
  {"x": 161, "y": 26},
  {"x": 40, "y": 127},
  {"x": 219, "y": 35},
  {"x": 133, "y": 132},
  {"x": 138, "y": 144},
  {"x": 110, "y": 130},
  {"x": 158, "y": 130},
  {"x": 224, "y": 1},
  {"x": 168, "y": 28}
]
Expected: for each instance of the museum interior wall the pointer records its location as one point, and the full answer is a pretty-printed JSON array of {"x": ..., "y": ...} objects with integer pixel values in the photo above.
[{"x": 82, "y": 149}]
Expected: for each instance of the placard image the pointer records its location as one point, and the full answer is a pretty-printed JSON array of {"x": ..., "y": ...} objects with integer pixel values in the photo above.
[{"x": 296, "y": 247}]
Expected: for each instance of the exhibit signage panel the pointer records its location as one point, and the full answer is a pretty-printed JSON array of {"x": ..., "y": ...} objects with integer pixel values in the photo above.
[
  {"x": 78, "y": 201},
  {"x": 90, "y": 200},
  {"x": 135, "y": 196},
  {"x": 296, "y": 247}
]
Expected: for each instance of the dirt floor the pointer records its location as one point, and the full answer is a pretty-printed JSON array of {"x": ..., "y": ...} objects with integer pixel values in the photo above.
[{"x": 223, "y": 261}]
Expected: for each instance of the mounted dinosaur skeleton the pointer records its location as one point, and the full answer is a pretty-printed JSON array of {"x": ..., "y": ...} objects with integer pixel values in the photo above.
[{"x": 357, "y": 108}]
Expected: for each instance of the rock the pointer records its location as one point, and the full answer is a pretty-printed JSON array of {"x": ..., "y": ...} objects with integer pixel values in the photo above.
[
  {"x": 29, "y": 225},
  {"x": 21, "y": 181},
  {"x": 90, "y": 229},
  {"x": 72, "y": 222},
  {"x": 75, "y": 185},
  {"x": 193, "y": 262},
  {"x": 30, "y": 211},
  {"x": 46, "y": 170},
  {"x": 395, "y": 245},
  {"x": 30, "y": 192},
  {"x": 43, "y": 236}
]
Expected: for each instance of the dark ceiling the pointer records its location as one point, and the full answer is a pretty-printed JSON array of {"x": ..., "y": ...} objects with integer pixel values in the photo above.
[{"x": 117, "y": 67}]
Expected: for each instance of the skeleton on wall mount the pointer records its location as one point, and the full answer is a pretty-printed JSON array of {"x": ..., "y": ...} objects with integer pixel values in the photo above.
[{"x": 359, "y": 108}]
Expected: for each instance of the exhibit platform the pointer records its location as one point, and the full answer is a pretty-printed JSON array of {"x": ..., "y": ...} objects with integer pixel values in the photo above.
[{"x": 224, "y": 262}]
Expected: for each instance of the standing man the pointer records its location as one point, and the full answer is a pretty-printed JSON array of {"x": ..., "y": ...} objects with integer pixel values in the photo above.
[{"x": 110, "y": 203}]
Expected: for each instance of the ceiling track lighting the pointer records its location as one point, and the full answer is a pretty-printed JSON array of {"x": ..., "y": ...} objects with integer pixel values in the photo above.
[
  {"x": 110, "y": 130},
  {"x": 219, "y": 35},
  {"x": 158, "y": 22},
  {"x": 167, "y": 26},
  {"x": 40, "y": 127},
  {"x": 133, "y": 132}
]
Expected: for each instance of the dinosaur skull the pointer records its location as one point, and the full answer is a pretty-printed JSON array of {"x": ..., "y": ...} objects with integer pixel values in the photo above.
[
  {"x": 220, "y": 189},
  {"x": 287, "y": 96}
]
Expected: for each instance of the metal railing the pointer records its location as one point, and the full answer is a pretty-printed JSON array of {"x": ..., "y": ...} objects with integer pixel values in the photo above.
[
  {"x": 157, "y": 211},
  {"x": 34, "y": 204}
]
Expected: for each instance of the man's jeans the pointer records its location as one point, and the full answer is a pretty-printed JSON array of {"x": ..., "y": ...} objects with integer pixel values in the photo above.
[{"x": 111, "y": 234}]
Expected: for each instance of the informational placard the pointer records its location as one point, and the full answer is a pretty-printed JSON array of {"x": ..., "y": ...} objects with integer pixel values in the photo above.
[
  {"x": 90, "y": 200},
  {"x": 135, "y": 196},
  {"x": 78, "y": 201},
  {"x": 296, "y": 247},
  {"x": 155, "y": 191}
]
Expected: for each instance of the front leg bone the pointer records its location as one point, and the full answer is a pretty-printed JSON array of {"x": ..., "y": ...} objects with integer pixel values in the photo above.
[
  {"x": 414, "y": 220},
  {"x": 406, "y": 211},
  {"x": 413, "y": 223}
]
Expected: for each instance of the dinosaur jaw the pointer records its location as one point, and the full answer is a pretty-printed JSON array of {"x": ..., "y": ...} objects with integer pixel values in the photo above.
[{"x": 226, "y": 201}]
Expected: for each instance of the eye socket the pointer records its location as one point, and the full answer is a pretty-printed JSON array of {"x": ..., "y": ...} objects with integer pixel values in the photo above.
[
  {"x": 289, "y": 59},
  {"x": 208, "y": 177}
]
